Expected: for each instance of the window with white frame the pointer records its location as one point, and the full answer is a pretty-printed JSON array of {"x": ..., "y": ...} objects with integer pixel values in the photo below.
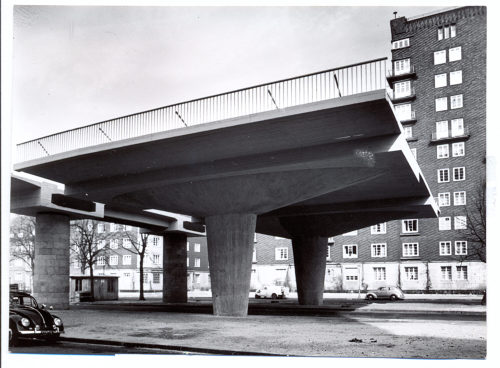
[
  {"x": 351, "y": 233},
  {"x": 197, "y": 262},
  {"x": 445, "y": 248},
  {"x": 379, "y": 228},
  {"x": 458, "y": 173},
  {"x": 101, "y": 244},
  {"x": 126, "y": 243},
  {"x": 411, "y": 273},
  {"x": 379, "y": 273},
  {"x": 187, "y": 261},
  {"x": 254, "y": 255},
  {"x": 156, "y": 277},
  {"x": 399, "y": 44},
  {"x": 112, "y": 227},
  {"x": 458, "y": 149},
  {"x": 462, "y": 273},
  {"x": 156, "y": 259},
  {"x": 457, "y": 127},
  {"x": 459, "y": 198},
  {"x": 410, "y": 249},
  {"x": 444, "y": 223},
  {"x": 408, "y": 132},
  {"x": 440, "y": 80},
  {"x": 455, "y": 77},
  {"x": 442, "y": 129},
  {"x": 255, "y": 237},
  {"x": 351, "y": 273},
  {"x": 456, "y": 101},
  {"x": 127, "y": 259},
  {"x": 113, "y": 243},
  {"x": 402, "y": 89},
  {"x": 443, "y": 175},
  {"x": 443, "y": 199},
  {"x": 331, "y": 240},
  {"x": 156, "y": 241},
  {"x": 448, "y": 31},
  {"x": 403, "y": 112},
  {"x": 443, "y": 151},
  {"x": 441, "y": 104},
  {"x": 440, "y": 57},
  {"x": 409, "y": 226},
  {"x": 379, "y": 250},
  {"x": 402, "y": 66},
  {"x": 350, "y": 251},
  {"x": 100, "y": 228},
  {"x": 187, "y": 246},
  {"x": 113, "y": 260},
  {"x": 446, "y": 273},
  {"x": 455, "y": 53},
  {"x": 328, "y": 252},
  {"x": 197, "y": 247},
  {"x": 101, "y": 260},
  {"x": 281, "y": 254},
  {"x": 460, "y": 247},
  {"x": 90, "y": 226},
  {"x": 460, "y": 222}
]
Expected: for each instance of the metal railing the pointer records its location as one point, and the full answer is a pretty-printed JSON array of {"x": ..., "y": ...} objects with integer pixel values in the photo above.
[
  {"x": 324, "y": 85},
  {"x": 391, "y": 73},
  {"x": 450, "y": 133},
  {"x": 398, "y": 96}
]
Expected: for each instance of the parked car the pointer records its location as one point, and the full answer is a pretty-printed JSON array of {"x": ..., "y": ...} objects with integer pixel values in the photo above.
[
  {"x": 386, "y": 292},
  {"x": 28, "y": 319},
  {"x": 272, "y": 291}
]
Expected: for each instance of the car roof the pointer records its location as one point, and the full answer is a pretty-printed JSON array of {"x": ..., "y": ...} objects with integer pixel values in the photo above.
[{"x": 19, "y": 293}]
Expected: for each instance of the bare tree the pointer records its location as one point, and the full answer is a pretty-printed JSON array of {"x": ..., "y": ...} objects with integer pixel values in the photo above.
[
  {"x": 86, "y": 246},
  {"x": 22, "y": 241},
  {"x": 139, "y": 243}
]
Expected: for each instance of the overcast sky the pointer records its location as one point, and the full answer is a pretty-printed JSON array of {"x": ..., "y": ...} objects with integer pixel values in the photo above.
[{"x": 74, "y": 66}]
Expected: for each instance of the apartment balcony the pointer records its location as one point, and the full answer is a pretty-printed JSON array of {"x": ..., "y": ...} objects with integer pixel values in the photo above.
[
  {"x": 395, "y": 76},
  {"x": 408, "y": 120},
  {"x": 450, "y": 136},
  {"x": 398, "y": 98}
]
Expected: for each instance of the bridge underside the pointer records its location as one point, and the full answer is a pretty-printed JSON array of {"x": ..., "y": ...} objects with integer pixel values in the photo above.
[{"x": 305, "y": 173}]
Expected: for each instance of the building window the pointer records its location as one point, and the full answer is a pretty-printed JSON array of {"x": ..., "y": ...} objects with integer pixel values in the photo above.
[
  {"x": 403, "y": 112},
  {"x": 445, "y": 248},
  {"x": 409, "y": 226},
  {"x": 196, "y": 278},
  {"x": 457, "y": 127},
  {"x": 331, "y": 240},
  {"x": 459, "y": 198},
  {"x": 187, "y": 246},
  {"x": 101, "y": 261},
  {"x": 112, "y": 227},
  {"x": 156, "y": 241},
  {"x": 444, "y": 199},
  {"x": 379, "y": 273},
  {"x": 399, "y": 44},
  {"x": 127, "y": 259},
  {"x": 455, "y": 53},
  {"x": 113, "y": 244},
  {"x": 455, "y": 77},
  {"x": 411, "y": 273},
  {"x": 458, "y": 173},
  {"x": 440, "y": 57},
  {"x": 461, "y": 248},
  {"x": 410, "y": 249},
  {"x": 447, "y": 32},
  {"x": 460, "y": 222},
  {"x": 187, "y": 261},
  {"x": 113, "y": 260},
  {"x": 351, "y": 277},
  {"x": 156, "y": 277},
  {"x": 156, "y": 259},
  {"x": 351, "y": 233},
  {"x": 408, "y": 132},
  {"x": 445, "y": 272},
  {"x": 254, "y": 255},
  {"x": 443, "y": 175},
  {"x": 442, "y": 104},
  {"x": 197, "y": 262},
  {"x": 350, "y": 251},
  {"x": 402, "y": 66},
  {"x": 458, "y": 149},
  {"x": 126, "y": 243},
  {"x": 456, "y": 101},
  {"x": 445, "y": 223},
  {"x": 379, "y": 228},
  {"x": 328, "y": 252},
  {"x": 197, "y": 247},
  {"x": 255, "y": 237},
  {"x": 462, "y": 273},
  {"x": 442, "y": 129},
  {"x": 78, "y": 285},
  {"x": 443, "y": 151},
  {"x": 440, "y": 80},
  {"x": 100, "y": 228},
  {"x": 402, "y": 89},
  {"x": 101, "y": 244},
  {"x": 379, "y": 250},
  {"x": 281, "y": 254}
]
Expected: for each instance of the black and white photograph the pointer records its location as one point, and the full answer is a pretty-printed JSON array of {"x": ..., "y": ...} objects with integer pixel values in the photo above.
[{"x": 183, "y": 182}]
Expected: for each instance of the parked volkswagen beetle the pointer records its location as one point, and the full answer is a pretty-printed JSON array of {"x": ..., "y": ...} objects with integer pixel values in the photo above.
[
  {"x": 386, "y": 292},
  {"x": 29, "y": 320}
]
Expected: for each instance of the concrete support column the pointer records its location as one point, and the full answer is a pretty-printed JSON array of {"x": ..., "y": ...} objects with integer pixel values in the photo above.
[
  {"x": 174, "y": 268},
  {"x": 309, "y": 254},
  {"x": 230, "y": 248},
  {"x": 51, "y": 276}
]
